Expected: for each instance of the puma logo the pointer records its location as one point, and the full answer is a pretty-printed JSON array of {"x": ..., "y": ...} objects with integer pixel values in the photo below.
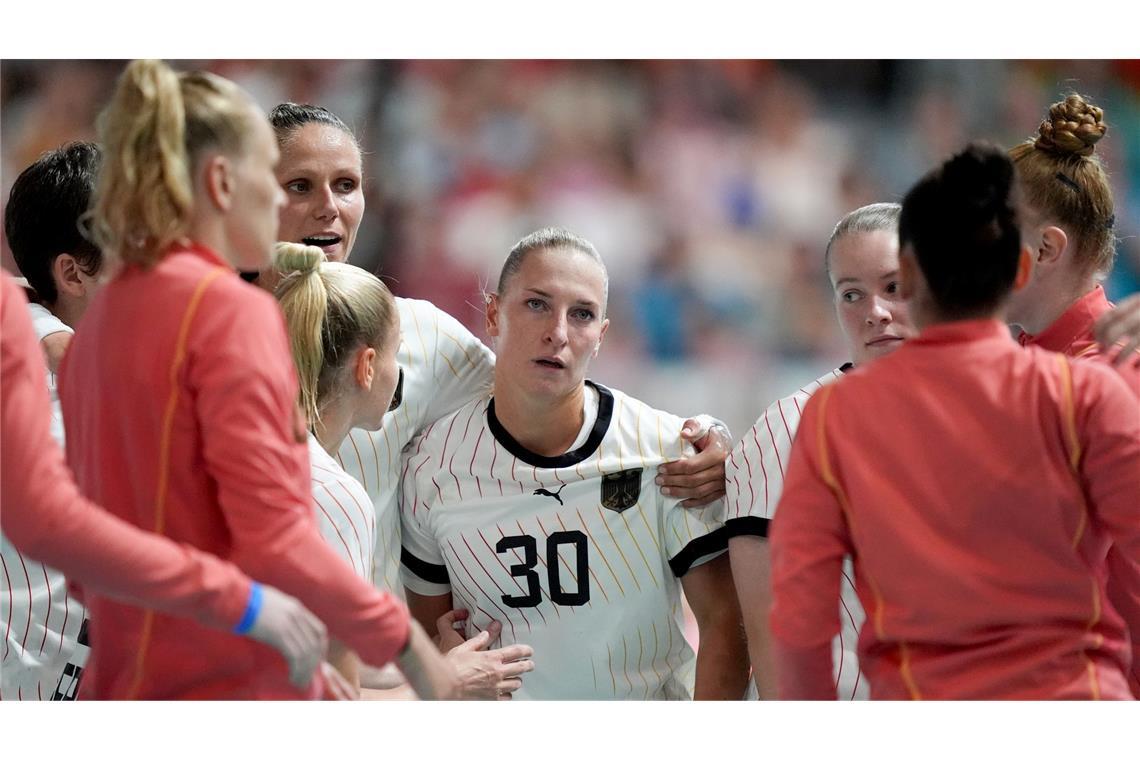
[{"x": 544, "y": 492}]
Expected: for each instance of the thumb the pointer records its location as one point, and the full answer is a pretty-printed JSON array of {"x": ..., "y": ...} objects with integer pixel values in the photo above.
[
  {"x": 692, "y": 430},
  {"x": 446, "y": 623}
]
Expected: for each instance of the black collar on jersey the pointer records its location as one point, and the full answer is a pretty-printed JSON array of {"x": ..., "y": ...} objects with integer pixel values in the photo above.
[
  {"x": 570, "y": 458},
  {"x": 847, "y": 367}
]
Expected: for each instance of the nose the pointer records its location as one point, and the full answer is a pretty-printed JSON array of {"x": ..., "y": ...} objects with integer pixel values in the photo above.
[
  {"x": 879, "y": 312},
  {"x": 326, "y": 207},
  {"x": 556, "y": 329}
]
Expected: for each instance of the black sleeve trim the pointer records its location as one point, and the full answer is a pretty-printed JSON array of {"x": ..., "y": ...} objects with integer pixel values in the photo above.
[
  {"x": 698, "y": 548},
  {"x": 426, "y": 570},
  {"x": 747, "y": 526}
]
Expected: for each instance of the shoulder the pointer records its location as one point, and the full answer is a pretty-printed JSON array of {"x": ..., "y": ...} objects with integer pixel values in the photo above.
[
  {"x": 438, "y": 434},
  {"x": 640, "y": 425}
]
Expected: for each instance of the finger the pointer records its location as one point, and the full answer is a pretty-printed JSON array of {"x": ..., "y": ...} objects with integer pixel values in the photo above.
[
  {"x": 504, "y": 697},
  {"x": 446, "y": 621},
  {"x": 1130, "y": 354},
  {"x": 694, "y": 486},
  {"x": 515, "y": 652},
  {"x": 517, "y": 668},
  {"x": 701, "y": 495},
  {"x": 475, "y": 643},
  {"x": 692, "y": 429},
  {"x": 507, "y": 685},
  {"x": 1127, "y": 325}
]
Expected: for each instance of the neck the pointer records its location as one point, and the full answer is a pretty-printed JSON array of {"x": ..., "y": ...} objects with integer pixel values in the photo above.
[
  {"x": 209, "y": 232},
  {"x": 545, "y": 426},
  {"x": 1048, "y": 302},
  {"x": 67, "y": 310},
  {"x": 331, "y": 430}
]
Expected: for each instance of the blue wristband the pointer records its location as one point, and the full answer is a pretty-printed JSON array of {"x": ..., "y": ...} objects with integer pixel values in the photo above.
[{"x": 252, "y": 609}]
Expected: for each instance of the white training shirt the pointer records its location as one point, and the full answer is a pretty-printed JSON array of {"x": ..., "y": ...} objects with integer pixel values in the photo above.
[
  {"x": 754, "y": 475},
  {"x": 444, "y": 366},
  {"x": 578, "y": 555},
  {"x": 344, "y": 511},
  {"x": 44, "y": 632}
]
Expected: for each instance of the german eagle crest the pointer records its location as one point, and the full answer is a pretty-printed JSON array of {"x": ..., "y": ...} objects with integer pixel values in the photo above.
[{"x": 621, "y": 490}]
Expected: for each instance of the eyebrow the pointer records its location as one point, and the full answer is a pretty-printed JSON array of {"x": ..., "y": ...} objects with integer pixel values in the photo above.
[
  {"x": 889, "y": 275},
  {"x": 544, "y": 294}
]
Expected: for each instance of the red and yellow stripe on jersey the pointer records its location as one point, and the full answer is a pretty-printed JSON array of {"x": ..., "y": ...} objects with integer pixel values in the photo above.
[{"x": 947, "y": 470}]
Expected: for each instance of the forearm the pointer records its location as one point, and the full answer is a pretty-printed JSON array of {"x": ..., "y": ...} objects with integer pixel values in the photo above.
[
  {"x": 372, "y": 623},
  {"x": 425, "y": 669},
  {"x": 722, "y": 661},
  {"x": 751, "y": 574},
  {"x": 804, "y": 673}
]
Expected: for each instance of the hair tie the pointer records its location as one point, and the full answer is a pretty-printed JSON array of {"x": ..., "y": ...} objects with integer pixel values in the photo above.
[{"x": 1061, "y": 176}]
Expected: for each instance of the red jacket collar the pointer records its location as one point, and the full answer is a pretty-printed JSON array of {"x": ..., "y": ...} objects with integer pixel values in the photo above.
[{"x": 1075, "y": 324}]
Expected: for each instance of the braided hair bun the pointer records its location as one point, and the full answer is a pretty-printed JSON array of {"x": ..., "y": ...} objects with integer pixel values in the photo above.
[{"x": 1073, "y": 128}]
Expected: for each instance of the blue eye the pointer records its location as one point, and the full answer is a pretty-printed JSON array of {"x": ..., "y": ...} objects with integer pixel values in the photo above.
[
  {"x": 535, "y": 304},
  {"x": 851, "y": 296},
  {"x": 297, "y": 186},
  {"x": 582, "y": 315}
]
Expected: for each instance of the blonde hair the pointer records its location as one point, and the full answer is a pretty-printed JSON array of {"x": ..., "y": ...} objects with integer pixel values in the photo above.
[
  {"x": 155, "y": 128},
  {"x": 331, "y": 309},
  {"x": 1062, "y": 179}
]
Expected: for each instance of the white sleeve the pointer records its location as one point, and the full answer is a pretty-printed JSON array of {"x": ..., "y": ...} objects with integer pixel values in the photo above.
[
  {"x": 422, "y": 568},
  {"x": 464, "y": 368},
  {"x": 693, "y": 535},
  {"x": 754, "y": 472},
  {"x": 45, "y": 323}
]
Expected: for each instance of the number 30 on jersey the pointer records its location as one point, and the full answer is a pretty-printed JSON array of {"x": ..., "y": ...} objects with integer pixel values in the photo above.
[{"x": 558, "y": 593}]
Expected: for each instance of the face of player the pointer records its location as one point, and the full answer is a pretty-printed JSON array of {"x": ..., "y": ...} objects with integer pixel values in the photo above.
[
  {"x": 871, "y": 310},
  {"x": 386, "y": 374},
  {"x": 257, "y": 199},
  {"x": 320, "y": 172},
  {"x": 548, "y": 323}
]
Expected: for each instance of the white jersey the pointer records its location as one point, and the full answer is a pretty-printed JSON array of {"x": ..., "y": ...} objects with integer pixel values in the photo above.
[
  {"x": 444, "y": 367},
  {"x": 344, "y": 511},
  {"x": 45, "y": 642},
  {"x": 578, "y": 555},
  {"x": 754, "y": 475}
]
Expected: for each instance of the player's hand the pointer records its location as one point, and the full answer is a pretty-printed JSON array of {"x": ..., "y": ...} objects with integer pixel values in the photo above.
[
  {"x": 1121, "y": 324},
  {"x": 449, "y": 636},
  {"x": 490, "y": 673},
  {"x": 698, "y": 479},
  {"x": 286, "y": 625},
  {"x": 337, "y": 687}
]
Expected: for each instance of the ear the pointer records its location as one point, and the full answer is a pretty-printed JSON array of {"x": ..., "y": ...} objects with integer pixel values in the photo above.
[
  {"x": 362, "y": 371},
  {"x": 1024, "y": 268},
  {"x": 908, "y": 276},
  {"x": 1054, "y": 243},
  {"x": 65, "y": 271},
  {"x": 217, "y": 175},
  {"x": 493, "y": 314},
  {"x": 601, "y": 336}
]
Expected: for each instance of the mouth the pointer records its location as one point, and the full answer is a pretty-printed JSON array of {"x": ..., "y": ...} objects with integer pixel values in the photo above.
[
  {"x": 550, "y": 362},
  {"x": 325, "y": 242},
  {"x": 883, "y": 340}
]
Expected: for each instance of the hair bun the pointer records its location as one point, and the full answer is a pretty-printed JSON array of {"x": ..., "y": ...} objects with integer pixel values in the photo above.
[
  {"x": 296, "y": 257},
  {"x": 1073, "y": 128}
]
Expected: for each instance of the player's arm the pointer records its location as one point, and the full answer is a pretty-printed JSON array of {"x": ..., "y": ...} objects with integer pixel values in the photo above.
[
  {"x": 1108, "y": 425},
  {"x": 751, "y": 494},
  {"x": 722, "y": 656},
  {"x": 698, "y": 479},
  {"x": 46, "y": 518},
  {"x": 808, "y": 543},
  {"x": 245, "y": 391}
]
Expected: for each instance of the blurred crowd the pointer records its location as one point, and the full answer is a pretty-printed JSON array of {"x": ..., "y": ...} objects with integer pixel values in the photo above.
[{"x": 709, "y": 187}]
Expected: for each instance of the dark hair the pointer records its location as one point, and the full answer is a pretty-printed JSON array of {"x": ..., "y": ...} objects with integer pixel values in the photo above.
[
  {"x": 961, "y": 221},
  {"x": 286, "y": 118},
  {"x": 43, "y": 211},
  {"x": 550, "y": 238}
]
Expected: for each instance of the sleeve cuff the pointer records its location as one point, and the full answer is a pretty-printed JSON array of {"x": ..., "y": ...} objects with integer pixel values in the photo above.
[
  {"x": 747, "y": 526},
  {"x": 698, "y": 551}
]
